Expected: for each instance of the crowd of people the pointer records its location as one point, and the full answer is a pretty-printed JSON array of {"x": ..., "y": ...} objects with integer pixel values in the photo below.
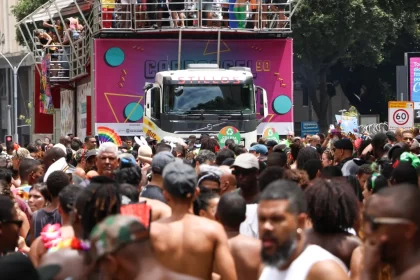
[
  {"x": 317, "y": 207},
  {"x": 202, "y": 13}
]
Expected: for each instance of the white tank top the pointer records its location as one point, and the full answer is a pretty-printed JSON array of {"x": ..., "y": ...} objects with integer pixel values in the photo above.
[{"x": 299, "y": 269}]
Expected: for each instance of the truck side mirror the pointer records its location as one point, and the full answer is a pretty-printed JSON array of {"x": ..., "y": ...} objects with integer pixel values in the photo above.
[
  {"x": 147, "y": 86},
  {"x": 263, "y": 102},
  {"x": 179, "y": 91}
]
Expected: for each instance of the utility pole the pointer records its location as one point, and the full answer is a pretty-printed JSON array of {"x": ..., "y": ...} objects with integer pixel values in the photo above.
[
  {"x": 15, "y": 91},
  {"x": 9, "y": 120}
]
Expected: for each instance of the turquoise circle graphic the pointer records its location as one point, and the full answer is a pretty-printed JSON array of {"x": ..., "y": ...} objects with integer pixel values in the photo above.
[
  {"x": 114, "y": 57},
  {"x": 133, "y": 112},
  {"x": 282, "y": 104}
]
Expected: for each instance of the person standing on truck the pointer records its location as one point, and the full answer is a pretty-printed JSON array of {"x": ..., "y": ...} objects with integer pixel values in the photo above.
[
  {"x": 107, "y": 11},
  {"x": 176, "y": 7},
  {"x": 240, "y": 12},
  {"x": 279, "y": 7},
  {"x": 264, "y": 12},
  {"x": 205, "y": 12},
  {"x": 237, "y": 13},
  {"x": 140, "y": 13}
]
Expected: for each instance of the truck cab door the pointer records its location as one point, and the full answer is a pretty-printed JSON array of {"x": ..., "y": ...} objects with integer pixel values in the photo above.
[
  {"x": 155, "y": 104},
  {"x": 147, "y": 103},
  {"x": 262, "y": 102}
]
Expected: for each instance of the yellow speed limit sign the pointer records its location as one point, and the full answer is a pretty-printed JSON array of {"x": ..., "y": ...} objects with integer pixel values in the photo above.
[{"x": 400, "y": 115}]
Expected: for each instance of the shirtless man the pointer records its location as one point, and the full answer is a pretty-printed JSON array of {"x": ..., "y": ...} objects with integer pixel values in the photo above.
[
  {"x": 72, "y": 264},
  {"x": 126, "y": 256},
  {"x": 231, "y": 213},
  {"x": 186, "y": 238},
  {"x": 160, "y": 210},
  {"x": 391, "y": 227},
  {"x": 281, "y": 223}
]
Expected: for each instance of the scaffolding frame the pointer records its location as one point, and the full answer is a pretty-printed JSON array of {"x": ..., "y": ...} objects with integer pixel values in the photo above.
[{"x": 48, "y": 12}]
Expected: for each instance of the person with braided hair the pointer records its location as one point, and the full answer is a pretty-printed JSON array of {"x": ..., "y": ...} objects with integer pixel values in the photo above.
[
  {"x": 96, "y": 202},
  {"x": 333, "y": 210}
]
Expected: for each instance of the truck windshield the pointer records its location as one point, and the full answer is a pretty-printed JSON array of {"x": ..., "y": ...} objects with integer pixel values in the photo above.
[{"x": 190, "y": 98}]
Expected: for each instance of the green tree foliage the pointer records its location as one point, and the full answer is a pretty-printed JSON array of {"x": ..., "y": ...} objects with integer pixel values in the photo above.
[
  {"x": 353, "y": 33},
  {"x": 370, "y": 88},
  {"x": 21, "y": 10},
  {"x": 352, "y": 112}
]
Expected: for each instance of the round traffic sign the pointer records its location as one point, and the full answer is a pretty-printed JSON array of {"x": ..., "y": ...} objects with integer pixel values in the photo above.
[{"x": 400, "y": 117}]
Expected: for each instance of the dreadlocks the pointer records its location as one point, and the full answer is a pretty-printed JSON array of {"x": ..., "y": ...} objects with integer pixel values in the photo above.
[
  {"x": 332, "y": 205},
  {"x": 97, "y": 201}
]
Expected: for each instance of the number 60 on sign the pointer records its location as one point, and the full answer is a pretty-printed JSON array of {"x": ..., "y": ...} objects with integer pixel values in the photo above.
[{"x": 400, "y": 115}]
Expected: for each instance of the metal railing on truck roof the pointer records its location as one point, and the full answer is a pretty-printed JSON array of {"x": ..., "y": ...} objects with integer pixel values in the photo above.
[{"x": 229, "y": 15}]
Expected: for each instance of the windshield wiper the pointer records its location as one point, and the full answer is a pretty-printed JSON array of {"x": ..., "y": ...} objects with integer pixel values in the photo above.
[
  {"x": 195, "y": 111},
  {"x": 240, "y": 111}
]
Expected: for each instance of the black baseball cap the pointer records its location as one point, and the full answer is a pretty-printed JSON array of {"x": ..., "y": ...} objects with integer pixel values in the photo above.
[
  {"x": 18, "y": 266},
  {"x": 271, "y": 143},
  {"x": 91, "y": 153},
  {"x": 391, "y": 136},
  {"x": 344, "y": 144},
  {"x": 179, "y": 179},
  {"x": 160, "y": 161}
]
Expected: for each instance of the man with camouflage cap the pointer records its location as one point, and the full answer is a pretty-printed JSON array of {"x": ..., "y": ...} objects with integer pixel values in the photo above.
[{"x": 120, "y": 247}]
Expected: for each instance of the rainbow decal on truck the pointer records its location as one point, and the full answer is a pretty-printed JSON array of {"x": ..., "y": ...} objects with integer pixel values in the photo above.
[{"x": 123, "y": 66}]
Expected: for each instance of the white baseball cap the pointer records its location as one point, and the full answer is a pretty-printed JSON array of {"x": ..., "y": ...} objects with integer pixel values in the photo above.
[{"x": 246, "y": 161}]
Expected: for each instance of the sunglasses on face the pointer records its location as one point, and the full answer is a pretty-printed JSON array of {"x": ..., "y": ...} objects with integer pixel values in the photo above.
[
  {"x": 376, "y": 222},
  {"x": 216, "y": 191},
  {"x": 241, "y": 171},
  {"x": 18, "y": 223},
  {"x": 408, "y": 139}
]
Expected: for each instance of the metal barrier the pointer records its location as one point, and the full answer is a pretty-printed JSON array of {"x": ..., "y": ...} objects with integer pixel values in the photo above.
[
  {"x": 374, "y": 128},
  {"x": 261, "y": 16}
]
